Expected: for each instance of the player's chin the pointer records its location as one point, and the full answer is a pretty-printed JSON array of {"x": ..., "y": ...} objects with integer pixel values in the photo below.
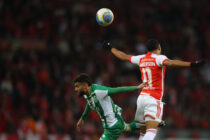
[{"x": 81, "y": 93}]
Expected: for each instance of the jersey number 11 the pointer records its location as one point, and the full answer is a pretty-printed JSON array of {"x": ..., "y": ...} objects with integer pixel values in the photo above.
[{"x": 147, "y": 76}]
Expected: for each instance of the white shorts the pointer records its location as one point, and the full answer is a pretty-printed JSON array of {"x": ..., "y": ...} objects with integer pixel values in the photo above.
[{"x": 148, "y": 108}]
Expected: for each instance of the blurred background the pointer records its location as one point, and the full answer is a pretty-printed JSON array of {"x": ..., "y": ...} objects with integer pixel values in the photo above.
[{"x": 44, "y": 44}]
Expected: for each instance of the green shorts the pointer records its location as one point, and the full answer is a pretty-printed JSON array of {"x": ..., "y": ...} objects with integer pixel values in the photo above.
[{"x": 113, "y": 133}]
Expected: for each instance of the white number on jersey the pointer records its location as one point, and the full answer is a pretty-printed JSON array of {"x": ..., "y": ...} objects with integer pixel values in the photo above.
[{"x": 147, "y": 75}]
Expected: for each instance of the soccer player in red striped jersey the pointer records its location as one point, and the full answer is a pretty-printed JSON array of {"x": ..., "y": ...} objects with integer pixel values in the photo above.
[{"x": 152, "y": 66}]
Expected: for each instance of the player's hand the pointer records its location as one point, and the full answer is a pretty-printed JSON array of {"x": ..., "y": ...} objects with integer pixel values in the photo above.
[
  {"x": 197, "y": 63},
  {"x": 107, "y": 45},
  {"x": 142, "y": 85},
  {"x": 79, "y": 124}
]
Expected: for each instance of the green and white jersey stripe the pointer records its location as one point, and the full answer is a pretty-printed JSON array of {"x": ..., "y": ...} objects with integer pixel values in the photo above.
[{"x": 99, "y": 101}]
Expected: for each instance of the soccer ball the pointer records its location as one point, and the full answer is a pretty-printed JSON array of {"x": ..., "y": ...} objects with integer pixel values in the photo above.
[{"x": 104, "y": 16}]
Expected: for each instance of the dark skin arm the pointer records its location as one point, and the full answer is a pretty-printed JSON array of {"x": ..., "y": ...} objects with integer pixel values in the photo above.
[
  {"x": 168, "y": 63},
  {"x": 176, "y": 63},
  {"x": 120, "y": 54}
]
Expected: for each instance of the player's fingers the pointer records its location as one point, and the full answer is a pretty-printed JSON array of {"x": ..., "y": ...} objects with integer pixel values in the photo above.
[
  {"x": 145, "y": 83},
  {"x": 78, "y": 128},
  {"x": 127, "y": 129},
  {"x": 142, "y": 85}
]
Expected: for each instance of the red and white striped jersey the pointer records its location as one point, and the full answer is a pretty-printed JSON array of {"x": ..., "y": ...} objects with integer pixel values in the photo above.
[{"x": 153, "y": 72}]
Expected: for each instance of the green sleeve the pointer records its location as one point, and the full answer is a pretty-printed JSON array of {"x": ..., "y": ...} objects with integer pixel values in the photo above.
[
  {"x": 86, "y": 112},
  {"x": 113, "y": 91}
]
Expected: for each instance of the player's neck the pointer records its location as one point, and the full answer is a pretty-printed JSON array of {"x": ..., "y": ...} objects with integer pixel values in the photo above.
[{"x": 155, "y": 52}]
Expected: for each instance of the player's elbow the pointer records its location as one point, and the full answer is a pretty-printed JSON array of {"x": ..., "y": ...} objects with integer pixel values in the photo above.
[
  {"x": 126, "y": 58},
  {"x": 168, "y": 63}
]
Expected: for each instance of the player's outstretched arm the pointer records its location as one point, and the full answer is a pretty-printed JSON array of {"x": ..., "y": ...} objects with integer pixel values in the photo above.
[
  {"x": 83, "y": 117},
  {"x": 179, "y": 63},
  {"x": 118, "y": 90},
  {"x": 119, "y": 54}
]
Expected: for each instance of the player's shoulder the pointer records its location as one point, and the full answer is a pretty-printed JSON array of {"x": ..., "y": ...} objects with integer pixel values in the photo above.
[
  {"x": 100, "y": 91},
  {"x": 138, "y": 56},
  {"x": 141, "y": 55},
  {"x": 158, "y": 55},
  {"x": 160, "y": 59},
  {"x": 161, "y": 56},
  {"x": 99, "y": 87}
]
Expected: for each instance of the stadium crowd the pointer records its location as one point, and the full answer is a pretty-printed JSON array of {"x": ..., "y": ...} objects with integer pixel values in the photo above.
[{"x": 45, "y": 44}]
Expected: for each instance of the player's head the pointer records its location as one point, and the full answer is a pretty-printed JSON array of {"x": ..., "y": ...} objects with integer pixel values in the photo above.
[
  {"x": 82, "y": 84},
  {"x": 153, "y": 45}
]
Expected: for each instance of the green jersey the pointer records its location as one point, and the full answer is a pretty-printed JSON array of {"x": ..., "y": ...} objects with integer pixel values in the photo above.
[{"x": 99, "y": 100}]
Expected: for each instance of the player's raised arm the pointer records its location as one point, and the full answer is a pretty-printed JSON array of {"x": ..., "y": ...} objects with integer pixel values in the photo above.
[
  {"x": 118, "y": 90},
  {"x": 179, "y": 63},
  {"x": 119, "y": 54}
]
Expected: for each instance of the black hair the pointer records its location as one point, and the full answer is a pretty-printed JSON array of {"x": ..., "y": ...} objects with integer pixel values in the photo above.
[
  {"x": 83, "y": 78},
  {"x": 152, "y": 44}
]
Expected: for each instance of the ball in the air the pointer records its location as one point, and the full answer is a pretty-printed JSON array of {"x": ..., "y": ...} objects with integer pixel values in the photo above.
[{"x": 104, "y": 16}]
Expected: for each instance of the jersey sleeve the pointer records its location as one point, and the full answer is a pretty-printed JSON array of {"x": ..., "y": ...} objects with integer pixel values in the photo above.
[
  {"x": 136, "y": 59},
  {"x": 160, "y": 60},
  {"x": 118, "y": 90},
  {"x": 86, "y": 112}
]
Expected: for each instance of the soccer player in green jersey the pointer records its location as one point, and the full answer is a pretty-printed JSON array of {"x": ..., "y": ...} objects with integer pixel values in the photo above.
[{"x": 99, "y": 100}]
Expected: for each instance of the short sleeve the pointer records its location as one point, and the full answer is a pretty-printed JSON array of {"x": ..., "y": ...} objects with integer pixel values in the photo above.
[
  {"x": 136, "y": 59},
  {"x": 160, "y": 60},
  {"x": 101, "y": 93}
]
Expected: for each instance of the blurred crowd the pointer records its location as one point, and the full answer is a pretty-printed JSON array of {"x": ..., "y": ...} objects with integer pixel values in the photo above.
[{"x": 36, "y": 91}]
